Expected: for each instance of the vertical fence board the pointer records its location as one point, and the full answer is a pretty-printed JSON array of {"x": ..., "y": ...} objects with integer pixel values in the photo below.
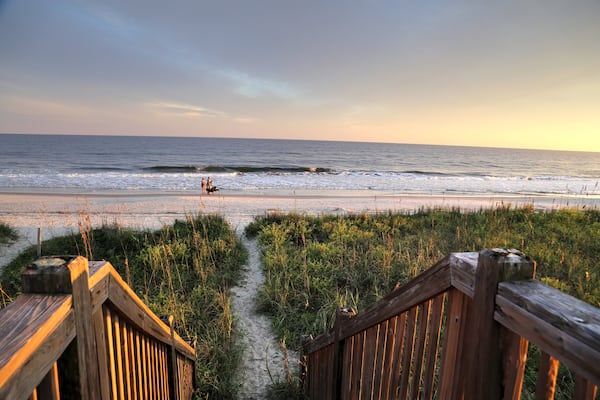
[
  {"x": 584, "y": 389},
  {"x": 370, "y": 348},
  {"x": 546, "y": 379},
  {"x": 396, "y": 358},
  {"x": 119, "y": 354},
  {"x": 450, "y": 383},
  {"x": 315, "y": 375},
  {"x": 330, "y": 379},
  {"x": 165, "y": 364},
  {"x": 153, "y": 365},
  {"x": 144, "y": 390},
  {"x": 347, "y": 368},
  {"x": 386, "y": 367},
  {"x": 357, "y": 358},
  {"x": 407, "y": 352},
  {"x": 111, "y": 351},
  {"x": 421, "y": 340},
  {"x": 126, "y": 364},
  {"x": 379, "y": 359},
  {"x": 48, "y": 389},
  {"x": 434, "y": 328},
  {"x": 133, "y": 362},
  {"x": 515, "y": 358},
  {"x": 103, "y": 354}
]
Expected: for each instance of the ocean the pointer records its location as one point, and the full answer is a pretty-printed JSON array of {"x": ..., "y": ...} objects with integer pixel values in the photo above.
[{"x": 95, "y": 164}]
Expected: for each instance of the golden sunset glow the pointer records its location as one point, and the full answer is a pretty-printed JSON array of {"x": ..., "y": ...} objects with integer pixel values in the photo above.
[{"x": 505, "y": 74}]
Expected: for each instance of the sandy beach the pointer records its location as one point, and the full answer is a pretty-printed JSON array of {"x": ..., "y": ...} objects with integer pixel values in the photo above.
[{"x": 58, "y": 213}]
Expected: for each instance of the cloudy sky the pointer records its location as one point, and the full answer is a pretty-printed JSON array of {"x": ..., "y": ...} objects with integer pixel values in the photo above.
[{"x": 493, "y": 73}]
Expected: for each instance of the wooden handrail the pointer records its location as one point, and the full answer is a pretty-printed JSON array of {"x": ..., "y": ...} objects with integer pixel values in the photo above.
[
  {"x": 63, "y": 301},
  {"x": 559, "y": 324},
  {"x": 491, "y": 308},
  {"x": 107, "y": 284}
]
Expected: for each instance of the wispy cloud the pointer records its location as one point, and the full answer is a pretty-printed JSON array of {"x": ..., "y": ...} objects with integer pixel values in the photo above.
[
  {"x": 187, "y": 110},
  {"x": 254, "y": 87}
]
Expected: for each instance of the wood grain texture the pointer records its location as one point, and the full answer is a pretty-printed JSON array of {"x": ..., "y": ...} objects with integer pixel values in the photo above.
[{"x": 559, "y": 324}]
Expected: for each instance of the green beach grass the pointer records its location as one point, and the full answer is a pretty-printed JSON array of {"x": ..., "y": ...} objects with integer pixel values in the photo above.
[
  {"x": 184, "y": 270},
  {"x": 7, "y": 234},
  {"x": 313, "y": 265}
]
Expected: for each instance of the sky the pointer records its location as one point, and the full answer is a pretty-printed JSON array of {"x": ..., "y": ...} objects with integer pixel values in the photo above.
[{"x": 515, "y": 73}]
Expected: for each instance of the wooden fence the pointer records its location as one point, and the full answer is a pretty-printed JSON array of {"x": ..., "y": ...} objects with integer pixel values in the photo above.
[
  {"x": 79, "y": 331},
  {"x": 459, "y": 330}
]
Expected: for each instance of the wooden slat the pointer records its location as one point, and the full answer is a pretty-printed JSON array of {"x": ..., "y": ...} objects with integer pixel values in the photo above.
[
  {"x": 370, "y": 348},
  {"x": 145, "y": 389},
  {"x": 450, "y": 382},
  {"x": 419, "y": 355},
  {"x": 110, "y": 341},
  {"x": 126, "y": 360},
  {"x": 546, "y": 378},
  {"x": 434, "y": 329},
  {"x": 396, "y": 368},
  {"x": 387, "y": 365},
  {"x": 133, "y": 363},
  {"x": 139, "y": 366},
  {"x": 102, "y": 349},
  {"x": 151, "y": 372},
  {"x": 515, "y": 359},
  {"x": 407, "y": 352},
  {"x": 560, "y": 325},
  {"x": 380, "y": 357},
  {"x": 584, "y": 389},
  {"x": 119, "y": 355},
  {"x": 48, "y": 388},
  {"x": 174, "y": 364},
  {"x": 347, "y": 368},
  {"x": 357, "y": 367}
]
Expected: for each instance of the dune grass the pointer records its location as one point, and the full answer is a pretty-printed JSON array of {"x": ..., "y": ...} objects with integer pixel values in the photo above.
[
  {"x": 184, "y": 270},
  {"x": 315, "y": 264},
  {"x": 7, "y": 234}
]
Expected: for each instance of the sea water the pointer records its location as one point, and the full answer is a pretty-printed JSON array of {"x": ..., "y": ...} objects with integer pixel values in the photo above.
[{"x": 256, "y": 166}]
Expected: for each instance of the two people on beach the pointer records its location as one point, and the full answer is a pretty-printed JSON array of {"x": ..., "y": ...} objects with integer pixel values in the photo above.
[{"x": 208, "y": 187}]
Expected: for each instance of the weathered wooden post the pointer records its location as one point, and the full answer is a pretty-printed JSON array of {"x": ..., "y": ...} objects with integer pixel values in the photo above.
[
  {"x": 69, "y": 275},
  {"x": 39, "y": 242},
  {"x": 483, "y": 360},
  {"x": 175, "y": 372},
  {"x": 342, "y": 314}
]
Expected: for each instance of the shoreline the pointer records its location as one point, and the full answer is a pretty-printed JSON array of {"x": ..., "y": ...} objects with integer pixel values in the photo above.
[
  {"x": 28, "y": 207},
  {"x": 60, "y": 212}
]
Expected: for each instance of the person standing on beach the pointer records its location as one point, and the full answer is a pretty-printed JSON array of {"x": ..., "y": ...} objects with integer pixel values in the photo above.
[
  {"x": 209, "y": 185},
  {"x": 203, "y": 185}
]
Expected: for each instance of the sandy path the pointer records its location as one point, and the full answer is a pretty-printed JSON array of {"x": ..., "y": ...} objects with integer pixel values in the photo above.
[{"x": 263, "y": 359}]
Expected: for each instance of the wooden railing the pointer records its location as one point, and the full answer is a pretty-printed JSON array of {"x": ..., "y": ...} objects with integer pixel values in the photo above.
[
  {"x": 79, "y": 331},
  {"x": 459, "y": 330}
]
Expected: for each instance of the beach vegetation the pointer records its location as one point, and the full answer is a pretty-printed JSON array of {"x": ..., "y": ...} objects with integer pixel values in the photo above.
[
  {"x": 7, "y": 234},
  {"x": 316, "y": 264},
  {"x": 184, "y": 270}
]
